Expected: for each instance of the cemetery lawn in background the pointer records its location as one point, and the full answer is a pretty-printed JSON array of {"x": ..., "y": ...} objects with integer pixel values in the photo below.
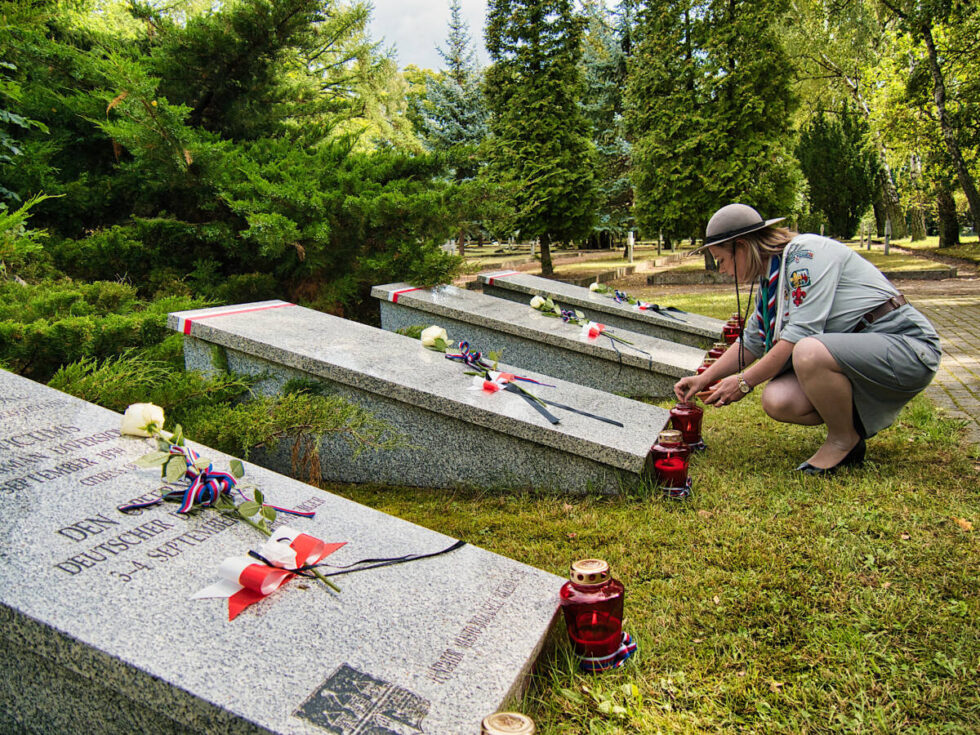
[
  {"x": 770, "y": 602},
  {"x": 968, "y": 249},
  {"x": 896, "y": 261}
]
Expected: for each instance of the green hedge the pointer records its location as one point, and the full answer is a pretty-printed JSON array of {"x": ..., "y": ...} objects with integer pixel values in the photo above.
[{"x": 53, "y": 323}]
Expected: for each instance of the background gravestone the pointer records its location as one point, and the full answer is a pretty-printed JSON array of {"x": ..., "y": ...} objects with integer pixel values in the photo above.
[{"x": 99, "y": 633}]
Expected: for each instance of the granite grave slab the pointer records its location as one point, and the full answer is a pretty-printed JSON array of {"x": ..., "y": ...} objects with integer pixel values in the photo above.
[
  {"x": 648, "y": 367},
  {"x": 457, "y": 436},
  {"x": 99, "y": 634},
  {"x": 685, "y": 328}
]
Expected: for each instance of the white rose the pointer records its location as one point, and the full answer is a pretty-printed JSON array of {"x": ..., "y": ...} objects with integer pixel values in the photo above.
[
  {"x": 431, "y": 334},
  {"x": 537, "y": 302},
  {"x": 594, "y": 286},
  {"x": 140, "y": 415}
]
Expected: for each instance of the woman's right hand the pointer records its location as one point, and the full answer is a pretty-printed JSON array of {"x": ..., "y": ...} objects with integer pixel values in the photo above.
[{"x": 685, "y": 388}]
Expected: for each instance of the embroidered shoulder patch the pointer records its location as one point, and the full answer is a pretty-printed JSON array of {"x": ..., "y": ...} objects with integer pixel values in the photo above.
[
  {"x": 800, "y": 277},
  {"x": 800, "y": 255}
]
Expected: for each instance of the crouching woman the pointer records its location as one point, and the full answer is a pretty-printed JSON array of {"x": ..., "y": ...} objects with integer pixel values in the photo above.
[{"x": 837, "y": 343}]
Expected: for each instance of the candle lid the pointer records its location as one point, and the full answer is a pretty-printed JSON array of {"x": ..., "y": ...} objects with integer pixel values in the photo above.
[
  {"x": 670, "y": 436},
  {"x": 507, "y": 723},
  {"x": 719, "y": 346},
  {"x": 590, "y": 571},
  {"x": 687, "y": 406},
  {"x": 709, "y": 360}
]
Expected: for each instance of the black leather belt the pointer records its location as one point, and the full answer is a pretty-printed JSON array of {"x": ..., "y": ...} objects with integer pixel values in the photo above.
[{"x": 875, "y": 314}]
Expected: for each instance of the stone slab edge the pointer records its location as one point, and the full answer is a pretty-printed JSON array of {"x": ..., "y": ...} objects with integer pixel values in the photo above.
[
  {"x": 536, "y": 430},
  {"x": 661, "y": 349},
  {"x": 705, "y": 326}
]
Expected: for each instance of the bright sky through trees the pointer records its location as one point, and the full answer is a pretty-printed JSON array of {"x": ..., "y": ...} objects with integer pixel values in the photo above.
[{"x": 416, "y": 27}]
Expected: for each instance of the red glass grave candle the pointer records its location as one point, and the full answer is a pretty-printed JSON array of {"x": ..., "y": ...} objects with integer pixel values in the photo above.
[
  {"x": 729, "y": 332},
  {"x": 670, "y": 459},
  {"x": 708, "y": 362},
  {"x": 717, "y": 349},
  {"x": 592, "y": 602},
  {"x": 686, "y": 418},
  {"x": 737, "y": 319}
]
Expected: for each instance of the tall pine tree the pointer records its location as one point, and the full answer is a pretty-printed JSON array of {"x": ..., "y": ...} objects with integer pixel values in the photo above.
[
  {"x": 454, "y": 121},
  {"x": 840, "y": 168},
  {"x": 605, "y": 77},
  {"x": 710, "y": 101},
  {"x": 541, "y": 142}
]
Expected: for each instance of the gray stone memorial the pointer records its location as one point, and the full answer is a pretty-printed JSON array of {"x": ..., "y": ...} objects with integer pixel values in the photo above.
[
  {"x": 532, "y": 340},
  {"x": 685, "y": 328},
  {"x": 99, "y": 634},
  {"x": 458, "y": 436}
]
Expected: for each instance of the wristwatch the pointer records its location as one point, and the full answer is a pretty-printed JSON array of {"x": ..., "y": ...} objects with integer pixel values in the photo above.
[{"x": 742, "y": 385}]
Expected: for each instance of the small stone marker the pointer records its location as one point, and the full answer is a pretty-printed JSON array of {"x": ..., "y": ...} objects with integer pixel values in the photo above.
[
  {"x": 458, "y": 436},
  {"x": 684, "y": 328},
  {"x": 535, "y": 341},
  {"x": 100, "y": 636}
]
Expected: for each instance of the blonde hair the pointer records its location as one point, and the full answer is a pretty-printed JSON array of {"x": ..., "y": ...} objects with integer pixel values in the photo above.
[{"x": 762, "y": 244}]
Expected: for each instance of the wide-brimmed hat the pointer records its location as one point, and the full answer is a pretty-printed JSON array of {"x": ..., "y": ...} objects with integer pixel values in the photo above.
[{"x": 730, "y": 222}]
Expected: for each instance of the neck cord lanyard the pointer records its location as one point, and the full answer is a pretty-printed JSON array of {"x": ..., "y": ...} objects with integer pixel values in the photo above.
[{"x": 745, "y": 318}]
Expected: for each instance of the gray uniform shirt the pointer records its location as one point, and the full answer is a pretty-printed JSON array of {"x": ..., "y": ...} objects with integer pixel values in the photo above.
[{"x": 824, "y": 287}]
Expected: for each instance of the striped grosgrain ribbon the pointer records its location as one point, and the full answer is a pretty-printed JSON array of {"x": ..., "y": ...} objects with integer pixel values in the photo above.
[
  {"x": 206, "y": 486},
  {"x": 614, "y": 660},
  {"x": 622, "y": 297},
  {"x": 475, "y": 360},
  {"x": 493, "y": 381},
  {"x": 768, "y": 286}
]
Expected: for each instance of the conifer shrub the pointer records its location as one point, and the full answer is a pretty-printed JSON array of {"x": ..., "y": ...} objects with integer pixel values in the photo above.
[{"x": 56, "y": 322}]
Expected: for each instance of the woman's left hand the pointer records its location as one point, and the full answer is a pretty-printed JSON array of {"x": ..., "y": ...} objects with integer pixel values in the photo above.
[{"x": 726, "y": 391}]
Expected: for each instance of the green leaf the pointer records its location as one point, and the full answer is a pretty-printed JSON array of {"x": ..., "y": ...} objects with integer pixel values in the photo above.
[
  {"x": 268, "y": 513},
  {"x": 237, "y": 468},
  {"x": 175, "y": 469},
  {"x": 579, "y": 314},
  {"x": 163, "y": 445},
  {"x": 178, "y": 437},
  {"x": 571, "y": 695},
  {"x": 201, "y": 463},
  {"x": 258, "y": 496},
  {"x": 249, "y": 508},
  {"x": 630, "y": 690},
  {"x": 152, "y": 459}
]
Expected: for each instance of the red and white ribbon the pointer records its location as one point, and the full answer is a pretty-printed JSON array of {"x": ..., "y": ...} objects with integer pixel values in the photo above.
[
  {"x": 591, "y": 330},
  {"x": 393, "y": 295},
  {"x": 184, "y": 323},
  {"x": 501, "y": 274},
  {"x": 244, "y": 581}
]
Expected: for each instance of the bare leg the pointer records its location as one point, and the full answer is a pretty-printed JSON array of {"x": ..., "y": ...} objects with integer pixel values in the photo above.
[
  {"x": 829, "y": 392},
  {"x": 784, "y": 400}
]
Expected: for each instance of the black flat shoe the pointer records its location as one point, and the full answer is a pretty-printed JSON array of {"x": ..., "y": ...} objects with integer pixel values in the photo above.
[{"x": 854, "y": 458}]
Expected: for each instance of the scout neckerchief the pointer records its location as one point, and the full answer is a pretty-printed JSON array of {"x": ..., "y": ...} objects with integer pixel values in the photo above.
[{"x": 766, "y": 306}]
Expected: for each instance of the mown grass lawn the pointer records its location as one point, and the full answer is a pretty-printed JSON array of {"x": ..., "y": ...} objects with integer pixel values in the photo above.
[
  {"x": 770, "y": 602},
  {"x": 968, "y": 249}
]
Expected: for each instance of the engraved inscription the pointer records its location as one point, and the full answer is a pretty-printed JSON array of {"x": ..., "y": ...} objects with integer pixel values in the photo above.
[{"x": 353, "y": 703}]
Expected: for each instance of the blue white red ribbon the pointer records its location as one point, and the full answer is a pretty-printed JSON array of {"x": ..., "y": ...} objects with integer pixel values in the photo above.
[
  {"x": 206, "y": 486},
  {"x": 679, "y": 493},
  {"x": 613, "y": 661},
  {"x": 475, "y": 360}
]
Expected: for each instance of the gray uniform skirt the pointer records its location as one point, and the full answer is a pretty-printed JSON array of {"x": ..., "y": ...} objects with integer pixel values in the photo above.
[{"x": 888, "y": 364}]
